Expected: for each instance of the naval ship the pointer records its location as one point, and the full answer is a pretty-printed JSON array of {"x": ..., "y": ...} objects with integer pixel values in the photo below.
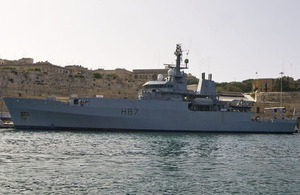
[{"x": 164, "y": 104}]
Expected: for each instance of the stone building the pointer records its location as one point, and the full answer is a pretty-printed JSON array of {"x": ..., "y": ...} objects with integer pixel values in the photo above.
[
  {"x": 78, "y": 70},
  {"x": 268, "y": 85},
  {"x": 121, "y": 72},
  {"x": 27, "y": 64},
  {"x": 20, "y": 61},
  {"x": 50, "y": 68},
  {"x": 149, "y": 74},
  {"x": 25, "y": 61},
  {"x": 263, "y": 85}
]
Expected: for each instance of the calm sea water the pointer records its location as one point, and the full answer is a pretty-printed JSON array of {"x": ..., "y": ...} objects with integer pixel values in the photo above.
[{"x": 44, "y": 162}]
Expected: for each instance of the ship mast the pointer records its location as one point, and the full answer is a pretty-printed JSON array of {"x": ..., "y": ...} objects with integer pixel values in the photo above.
[{"x": 178, "y": 54}]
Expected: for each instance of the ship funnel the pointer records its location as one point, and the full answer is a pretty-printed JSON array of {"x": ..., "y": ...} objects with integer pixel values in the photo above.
[{"x": 206, "y": 87}]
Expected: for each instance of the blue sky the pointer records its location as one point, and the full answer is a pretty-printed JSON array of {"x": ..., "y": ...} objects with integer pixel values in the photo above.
[{"x": 232, "y": 39}]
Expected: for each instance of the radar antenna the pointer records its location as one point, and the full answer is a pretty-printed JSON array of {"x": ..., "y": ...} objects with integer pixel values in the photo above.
[{"x": 178, "y": 54}]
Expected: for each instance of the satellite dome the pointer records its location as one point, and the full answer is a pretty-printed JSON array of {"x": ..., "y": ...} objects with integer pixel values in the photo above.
[
  {"x": 160, "y": 77},
  {"x": 171, "y": 72}
]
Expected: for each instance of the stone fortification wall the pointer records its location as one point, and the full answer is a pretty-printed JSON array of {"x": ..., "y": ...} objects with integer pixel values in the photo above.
[
  {"x": 122, "y": 73},
  {"x": 20, "y": 61},
  {"x": 290, "y": 100}
]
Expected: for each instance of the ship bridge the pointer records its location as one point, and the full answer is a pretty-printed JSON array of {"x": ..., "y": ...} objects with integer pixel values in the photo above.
[{"x": 158, "y": 86}]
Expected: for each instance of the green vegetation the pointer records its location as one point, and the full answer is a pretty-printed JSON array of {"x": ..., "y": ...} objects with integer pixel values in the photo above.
[
  {"x": 192, "y": 81},
  {"x": 33, "y": 69},
  {"x": 244, "y": 86},
  {"x": 111, "y": 75},
  {"x": 9, "y": 67},
  {"x": 286, "y": 85},
  {"x": 97, "y": 75}
]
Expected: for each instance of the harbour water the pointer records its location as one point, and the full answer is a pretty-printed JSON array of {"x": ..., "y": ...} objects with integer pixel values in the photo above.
[{"x": 44, "y": 162}]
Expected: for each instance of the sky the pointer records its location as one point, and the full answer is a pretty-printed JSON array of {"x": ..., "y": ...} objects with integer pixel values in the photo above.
[{"x": 234, "y": 40}]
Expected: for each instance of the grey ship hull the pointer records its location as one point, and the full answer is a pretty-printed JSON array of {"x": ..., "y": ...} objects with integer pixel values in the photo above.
[{"x": 134, "y": 115}]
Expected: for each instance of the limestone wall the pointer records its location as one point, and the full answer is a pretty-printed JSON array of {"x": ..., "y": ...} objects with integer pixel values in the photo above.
[{"x": 290, "y": 100}]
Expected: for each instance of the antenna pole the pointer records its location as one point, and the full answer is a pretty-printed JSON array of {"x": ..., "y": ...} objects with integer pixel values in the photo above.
[
  {"x": 178, "y": 54},
  {"x": 281, "y": 73}
]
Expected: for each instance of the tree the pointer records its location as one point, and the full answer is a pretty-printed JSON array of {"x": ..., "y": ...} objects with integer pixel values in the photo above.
[
  {"x": 97, "y": 75},
  {"x": 244, "y": 86},
  {"x": 285, "y": 84}
]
